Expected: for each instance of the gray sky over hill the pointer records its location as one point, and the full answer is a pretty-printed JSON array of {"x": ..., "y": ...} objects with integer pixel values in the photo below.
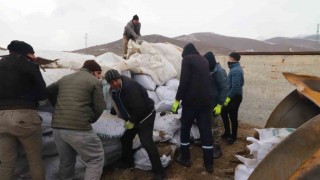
[{"x": 62, "y": 24}]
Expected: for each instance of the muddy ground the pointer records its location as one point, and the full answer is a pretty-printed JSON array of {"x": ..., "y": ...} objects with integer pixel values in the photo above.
[{"x": 223, "y": 167}]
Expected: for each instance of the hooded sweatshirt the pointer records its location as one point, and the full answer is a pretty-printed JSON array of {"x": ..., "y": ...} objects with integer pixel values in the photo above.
[
  {"x": 218, "y": 79},
  {"x": 194, "y": 88}
]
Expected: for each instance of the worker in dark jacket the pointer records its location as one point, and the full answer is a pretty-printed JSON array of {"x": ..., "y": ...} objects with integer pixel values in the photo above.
[
  {"x": 195, "y": 93},
  {"x": 131, "y": 102},
  {"x": 234, "y": 98},
  {"x": 219, "y": 87},
  {"x": 131, "y": 31},
  {"x": 78, "y": 104},
  {"x": 21, "y": 88}
]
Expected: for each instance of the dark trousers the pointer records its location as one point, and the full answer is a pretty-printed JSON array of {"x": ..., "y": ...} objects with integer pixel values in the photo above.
[
  {"x": 202, "y": 117},
  {"x": 145, "y": 133},
  {"x": 230, "y": 113}
]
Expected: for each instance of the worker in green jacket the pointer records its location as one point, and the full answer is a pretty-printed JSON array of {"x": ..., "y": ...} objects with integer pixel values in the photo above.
[{"x": 79, "y": 102}]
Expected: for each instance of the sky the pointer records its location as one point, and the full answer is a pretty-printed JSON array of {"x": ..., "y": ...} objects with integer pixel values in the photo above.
[{"x": 62, "y": 24}]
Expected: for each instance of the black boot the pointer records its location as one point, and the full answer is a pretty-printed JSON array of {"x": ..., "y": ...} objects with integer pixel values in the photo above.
[
  {"x": 231, "y": 141},
  {"x": 186, "y": 163},
  {"x": 209, "y": 168},
  {"x": 159, "y": 176},
  {"x": 217, "y": 153}
]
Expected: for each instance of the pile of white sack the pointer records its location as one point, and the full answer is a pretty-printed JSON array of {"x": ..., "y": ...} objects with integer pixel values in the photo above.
[{"x": 268, "y": 139}]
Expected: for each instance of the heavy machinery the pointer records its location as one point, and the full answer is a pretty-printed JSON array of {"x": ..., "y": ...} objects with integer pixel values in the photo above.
[{"x": 298, "y": 156}]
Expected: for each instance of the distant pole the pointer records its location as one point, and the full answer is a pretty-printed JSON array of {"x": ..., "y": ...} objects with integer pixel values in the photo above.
[
  {"x": 86, "y": 42},
  {"x": 317, "y": 36}
]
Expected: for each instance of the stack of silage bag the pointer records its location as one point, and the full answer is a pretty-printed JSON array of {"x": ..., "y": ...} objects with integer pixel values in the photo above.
[{"x": 268, "y": 139}]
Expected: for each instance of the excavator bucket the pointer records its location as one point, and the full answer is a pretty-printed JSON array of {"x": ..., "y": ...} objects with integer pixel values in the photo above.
[
  {"x": 298, "y": 156},
  {"x": 300, "y": 105},
  {"x": 291, "y": 157}
]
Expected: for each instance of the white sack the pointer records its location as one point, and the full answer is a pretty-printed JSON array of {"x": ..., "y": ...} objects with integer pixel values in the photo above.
[
  {"x": 53, "y": 75},
  {"x": 66, "y": 59},
  {"x": 153, "y": 95},
  {"x": 169, "y": 123},
  {"x": 158, "y": 136},
  {"x": 173, "y": 84},
  {"x": 242, "y": 172},
  {"x": 109, "y": 126},
  {"x": 148, "y": 61},
  {"x": 142, "y": 161},
  {"x": 274, "y": 132},
  {"x": 163, "y": 106},
  {"x": 194, "y": 133},
  {"x": 145, "y": 81},
  {"x": 165, "y": 93}
]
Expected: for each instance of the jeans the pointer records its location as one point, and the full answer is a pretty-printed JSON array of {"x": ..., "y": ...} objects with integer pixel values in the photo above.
[
  {"x": 85, "y": 143},
  {"x": 145, "y": 133},
  {"x": 20, "y": 126},
  {"x": 230, "y": 113},
  {"x": 202, "y": 117}
]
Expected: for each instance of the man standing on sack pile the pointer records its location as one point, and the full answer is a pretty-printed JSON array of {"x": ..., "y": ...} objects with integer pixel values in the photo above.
[
  {"x": 21, "y": 88},
  {"x": 131, "y": 31},
  {"x": 130, "y": 102},
  {"x": 234, "y": 99},
  {"x": 219, "y": 87},
  {"x": 79, "y": 102},
  {"x": 195, "y": 92}
]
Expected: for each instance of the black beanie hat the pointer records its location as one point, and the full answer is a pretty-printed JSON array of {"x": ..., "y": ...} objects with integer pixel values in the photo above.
[
  {"x": 211, "y": 59},
  {"x": 235, "y": 56},
  {"x": 111, "y": 75},
  {"x": 135, "y": 17},
  {"x": 20, "y": 47},
  {"x": 92, "y": 65}
]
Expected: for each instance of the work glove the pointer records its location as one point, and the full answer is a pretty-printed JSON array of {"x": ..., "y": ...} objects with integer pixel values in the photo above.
[
  {"x": 227, "y": 101},
  {"x": 217, "y": 110},
  {"x": 129, "y": 125},
  {"x": 175, "y": 106}
]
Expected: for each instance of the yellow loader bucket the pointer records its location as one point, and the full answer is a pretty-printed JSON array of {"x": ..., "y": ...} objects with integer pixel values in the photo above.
[{"x": 298, "y": 156}]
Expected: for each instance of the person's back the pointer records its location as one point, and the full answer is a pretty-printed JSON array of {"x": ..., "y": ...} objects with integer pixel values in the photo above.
[
  {"x": 21, "y": 87},
  {"x": 194, "y": 88},
  {"x": 74, "y": 106},
  {"x": 195, "y": 92},
  {"x": 79, "y": 102}
]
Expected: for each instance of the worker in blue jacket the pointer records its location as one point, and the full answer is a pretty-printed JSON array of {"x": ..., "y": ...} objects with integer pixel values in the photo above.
[{"x": 234, "y": 98}]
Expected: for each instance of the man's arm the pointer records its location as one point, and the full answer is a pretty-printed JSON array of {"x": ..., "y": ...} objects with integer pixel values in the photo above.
[
  {"x": 139, "y": 27},
  {"x": 40, "y": 84},
  {"x": 98, "y": 101},
  {"x": 222, "y": 86},
  {"x": 53, "y": 90},
  {"x": 184, "y": 80}
]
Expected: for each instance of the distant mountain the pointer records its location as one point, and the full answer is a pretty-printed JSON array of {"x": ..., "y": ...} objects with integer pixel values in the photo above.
[
  {"x": 116, "y": 46},
  {"x": 298, "y": 42},
  {"x": 239, "y": 44},
  {"x": 311, "y": 37},
  {"x": 219, "y": 44}
]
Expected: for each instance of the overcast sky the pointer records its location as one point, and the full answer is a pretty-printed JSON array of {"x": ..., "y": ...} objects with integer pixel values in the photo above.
[{"x": 62, "y": 24}]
